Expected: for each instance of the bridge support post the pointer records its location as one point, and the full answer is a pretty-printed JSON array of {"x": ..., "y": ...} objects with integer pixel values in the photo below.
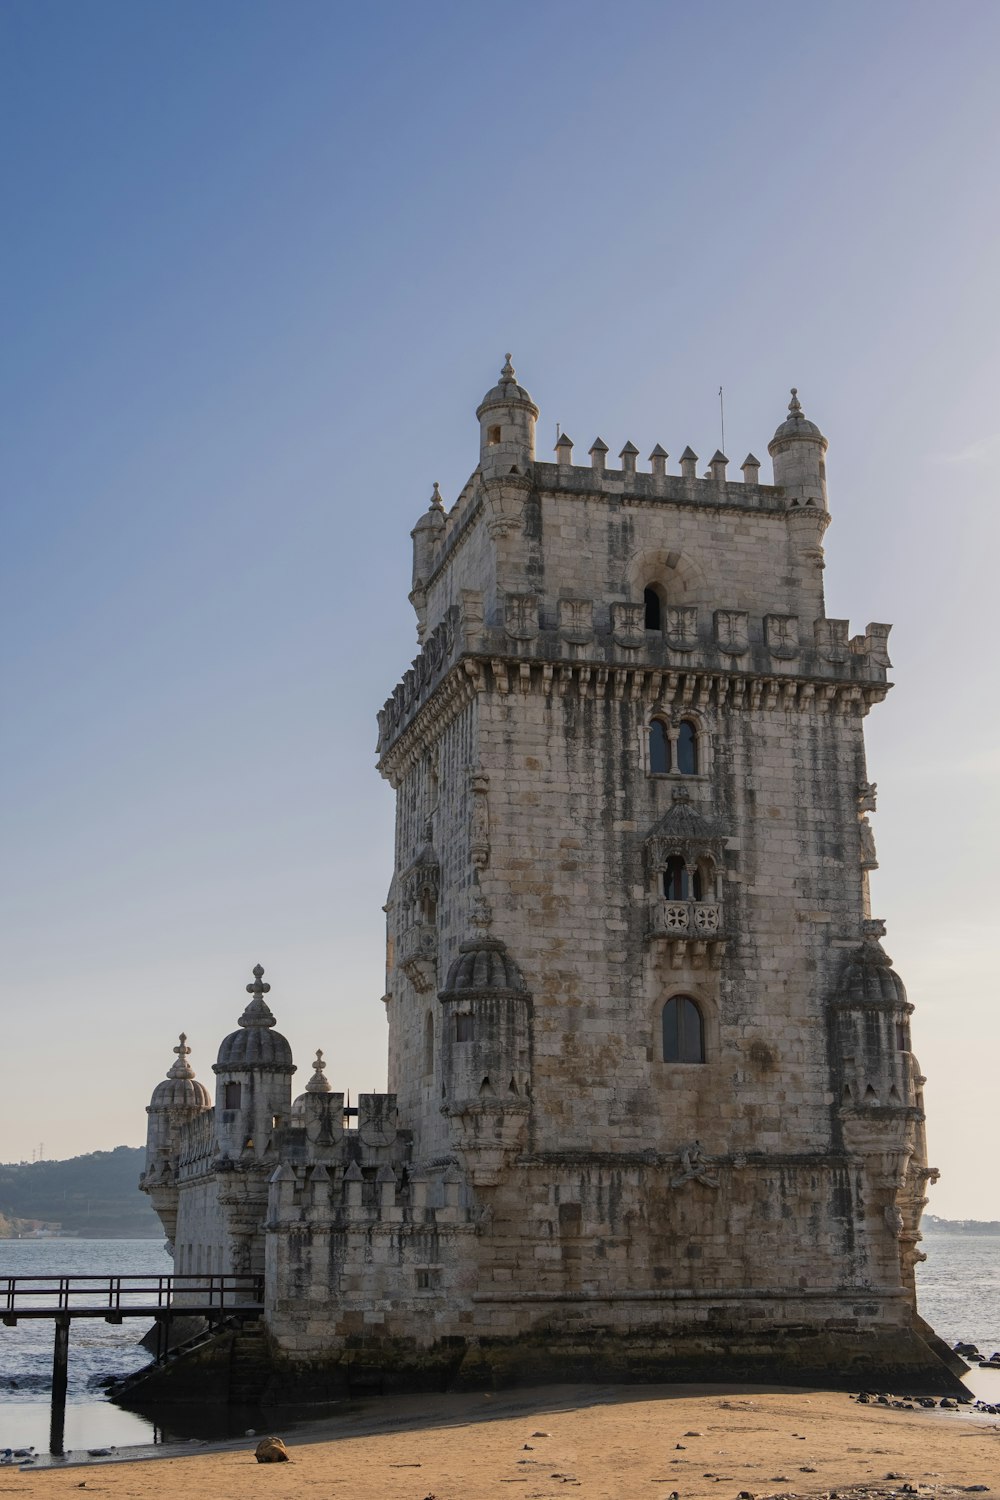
[{"x": 60, "y": 1366}]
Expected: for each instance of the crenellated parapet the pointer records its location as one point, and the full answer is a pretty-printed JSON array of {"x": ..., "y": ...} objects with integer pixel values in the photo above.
[
  {"x": 367, "y": 1198},
  {"x": 597, "y": 650}
]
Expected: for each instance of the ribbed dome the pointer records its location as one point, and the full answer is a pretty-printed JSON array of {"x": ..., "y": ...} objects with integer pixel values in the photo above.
[
  {"x": 796, "y": 424},
  {"x": 180, "y": 1089},
  {"x": 180, "y": 1093},
  {"x": 254, "y": 1048},
  {"x": 483, "y": 964},
  {"x": 256, "y": 1044},
  {"x": 433, "y": 517},
  {"x": 506, "y": 390},
  {"x": 869, "y": 978}
]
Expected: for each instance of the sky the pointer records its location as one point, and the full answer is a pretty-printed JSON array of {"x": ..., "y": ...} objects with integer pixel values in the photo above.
[{"x": 260, "y": 263}]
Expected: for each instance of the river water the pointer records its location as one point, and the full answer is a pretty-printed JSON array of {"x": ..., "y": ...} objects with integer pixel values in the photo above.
[{"x": 959, "y": 1295}]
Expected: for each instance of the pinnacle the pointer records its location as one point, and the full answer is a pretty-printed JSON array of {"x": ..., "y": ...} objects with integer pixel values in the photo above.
[
  {"x": 598, "y": 446},
  {"x": 628, "y": 448},
  {"x": 659, "y": 452}
]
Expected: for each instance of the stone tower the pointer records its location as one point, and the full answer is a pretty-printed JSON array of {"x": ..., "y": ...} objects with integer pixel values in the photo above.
[
  {"x": 634, "y": 988},
  {"x": 653, "y": 1110}
]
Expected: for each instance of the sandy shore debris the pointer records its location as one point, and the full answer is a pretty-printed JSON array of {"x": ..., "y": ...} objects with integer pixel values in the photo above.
[{"x": 692, "y": 1442}]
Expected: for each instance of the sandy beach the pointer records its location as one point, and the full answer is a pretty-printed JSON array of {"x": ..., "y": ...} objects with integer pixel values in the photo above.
[{"x": 606, "y": 1441}]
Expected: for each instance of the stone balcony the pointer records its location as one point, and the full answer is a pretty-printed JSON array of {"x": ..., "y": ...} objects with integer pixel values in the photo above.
[
  {"x": 693, "y": 929},
  {"x": 416, "y": 955}
]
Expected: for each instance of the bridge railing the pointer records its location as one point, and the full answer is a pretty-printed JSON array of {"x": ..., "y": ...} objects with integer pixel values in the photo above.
[{"x": 23, "y": 1294}]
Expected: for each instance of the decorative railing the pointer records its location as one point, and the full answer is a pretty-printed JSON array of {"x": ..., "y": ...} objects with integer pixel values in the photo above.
[
  {"x": 701, "y": 920},
  {"x": 416, "y": 955},
  {"x": 418, "y": 941}
]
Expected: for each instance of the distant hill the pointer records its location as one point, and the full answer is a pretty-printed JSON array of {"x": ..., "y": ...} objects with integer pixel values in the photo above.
[
  {"x": 959, "y": 1226},
  {"x": 95, "y": 1196}
]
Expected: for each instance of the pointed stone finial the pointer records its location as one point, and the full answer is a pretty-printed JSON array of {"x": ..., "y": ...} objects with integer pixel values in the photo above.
[
  {"x": 257, "y": 1012},
  {"x": 628, "y": 456},
  {"x": 319, "y": 1083},
  {"x": 795, "y": 405},
  {"x": 717, "y": 466},
  {"x": 563, "y": 441},
  {"x": 750, "y": 469},
  {"x": 182, "y": 1068},
  {"x": 507, "y": 373},
  {"x": 658, "y": 459},
  {"x": 597, "y": 450},
  {"x": 436, "y": 502},
  {"x": 689, "y": 464}
]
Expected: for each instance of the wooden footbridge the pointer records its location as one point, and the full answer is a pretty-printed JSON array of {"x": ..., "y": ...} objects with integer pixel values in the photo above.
[{"x": 157, "y": 1299}]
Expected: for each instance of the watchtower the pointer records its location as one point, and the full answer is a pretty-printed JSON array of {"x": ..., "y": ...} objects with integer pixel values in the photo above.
[{"x": 634, "y": 988}]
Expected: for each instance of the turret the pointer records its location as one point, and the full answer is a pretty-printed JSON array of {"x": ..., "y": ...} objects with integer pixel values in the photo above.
[
  {"x": 426, "y": 535},
  {"x": 798, "y": 450},
  {"x": 177, "y": 1099},
  {"x": 254, "y": 1070},
  {"x": 507, "y": 417},
  {"x": 485, "y": 1055}
]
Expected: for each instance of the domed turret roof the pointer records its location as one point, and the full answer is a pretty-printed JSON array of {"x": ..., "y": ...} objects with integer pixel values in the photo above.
[
  {"x": 180, "y": 1089},
  {"x": 255, "y": 1045},
  {"x": 797, "y": 424},
  {"x": 868, "y": 976},
  {"x": 506, "y": 391},
  {"x": 484, "y": 964},
  {"x": 433, "y": 517},
  {"x": 318, "y": 1084}
]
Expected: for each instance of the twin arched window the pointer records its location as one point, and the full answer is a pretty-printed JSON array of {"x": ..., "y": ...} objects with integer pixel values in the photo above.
[
  {"x": 683, "y": 1031},
  {"x": 673, "y": 753},
  {"x": 680, "y": 883}
]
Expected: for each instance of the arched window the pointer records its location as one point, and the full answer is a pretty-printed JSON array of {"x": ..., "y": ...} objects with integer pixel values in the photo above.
[
  {"x": 680, "y": 884},
  {"x": 429, "y": 1042},
  {"x": 231, "y": 1096},
  {"x": 687, "y": 749},
  {"x": 683, "y": 1031},
  {"x": 675, "y": 879},
  {"x": 654, "y": 609},
  {"x": 659, "y": 748}
]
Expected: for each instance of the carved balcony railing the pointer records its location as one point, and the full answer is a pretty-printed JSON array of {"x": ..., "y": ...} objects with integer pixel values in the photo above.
[
  {"x": 694, "y": 929},
  {"x": 416, "y": 955}
]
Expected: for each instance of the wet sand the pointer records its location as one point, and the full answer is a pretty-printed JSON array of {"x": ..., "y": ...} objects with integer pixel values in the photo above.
[{"x": 700, "y": 1441}]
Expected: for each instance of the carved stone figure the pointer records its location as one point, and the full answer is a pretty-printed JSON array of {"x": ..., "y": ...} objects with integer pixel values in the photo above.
[{"x": 694, "y": 1168}]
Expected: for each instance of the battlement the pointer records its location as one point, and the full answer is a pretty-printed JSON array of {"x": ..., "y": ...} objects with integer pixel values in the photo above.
[
  {"x": 602, "y": 647},
  {"x": 713, "y": 488},
  {"x": 351, "y": 1196}
]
